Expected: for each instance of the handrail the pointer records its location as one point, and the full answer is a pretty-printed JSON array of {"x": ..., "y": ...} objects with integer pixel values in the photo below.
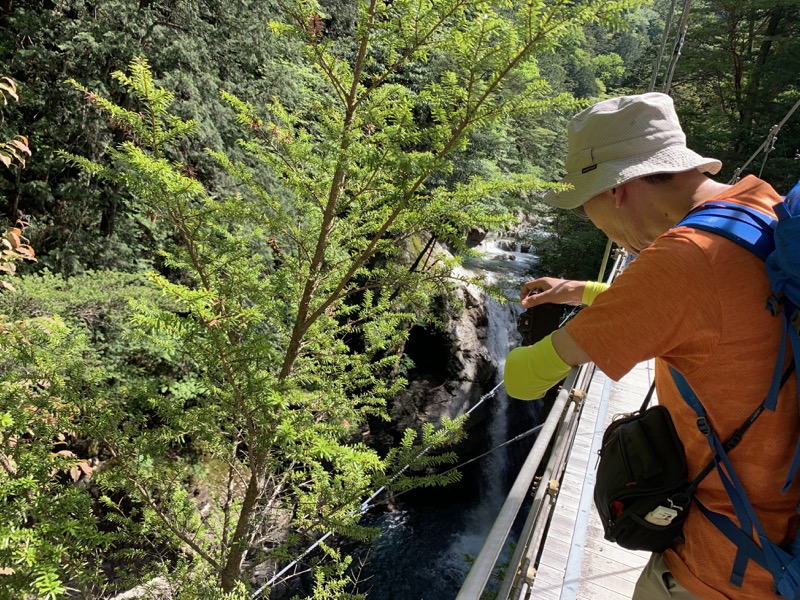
[
  {"x": 604, "y": 262},
  {"x": 518, "y": 576},
  {"x": 482, "y": 568}
]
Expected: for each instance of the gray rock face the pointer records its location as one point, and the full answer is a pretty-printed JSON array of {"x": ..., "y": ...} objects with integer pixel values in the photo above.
[
  {"x": 475, "y": 237},
  {"x": 454, "y": 369}
]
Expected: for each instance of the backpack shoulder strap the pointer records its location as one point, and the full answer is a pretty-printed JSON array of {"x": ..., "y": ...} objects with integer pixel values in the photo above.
[
  {"x": 745, "y": 226},
  {"x": 757, "y": 233},
  {"x": 783, "y": 565},
  {"x": 792, "y": 203},
  {"x": 777, "y": 242}
]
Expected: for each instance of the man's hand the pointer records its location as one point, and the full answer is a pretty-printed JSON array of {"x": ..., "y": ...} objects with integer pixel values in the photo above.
[{"x": 552, "y": 290}]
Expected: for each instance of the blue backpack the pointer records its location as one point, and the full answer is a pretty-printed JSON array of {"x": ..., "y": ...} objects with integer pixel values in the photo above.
[{"x": 778, "y": 244}]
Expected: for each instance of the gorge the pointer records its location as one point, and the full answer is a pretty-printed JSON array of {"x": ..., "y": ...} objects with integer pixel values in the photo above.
[{"x": 429, "y": 536}]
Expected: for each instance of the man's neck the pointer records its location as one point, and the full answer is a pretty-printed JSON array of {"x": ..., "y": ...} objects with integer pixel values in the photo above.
[
  {"x": 671, "y": 201},
  {"x": 708, "y": 189},
  {"x": 688, "y": 190}
]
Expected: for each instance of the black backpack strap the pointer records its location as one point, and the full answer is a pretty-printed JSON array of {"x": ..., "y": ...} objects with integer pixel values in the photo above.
[
  {"x": 732, "y": 441},
  {"x": 648, "y": 397},
  {"x": 736, "y": 436}
]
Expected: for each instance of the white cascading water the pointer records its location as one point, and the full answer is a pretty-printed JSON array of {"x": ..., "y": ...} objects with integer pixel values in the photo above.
[
  {"x": 501, "y": 337},
  {"x": 506, "y": 268}
]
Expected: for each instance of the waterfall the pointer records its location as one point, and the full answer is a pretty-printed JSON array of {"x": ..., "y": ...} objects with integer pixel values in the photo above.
[
  {"x": 477, "y": 521},
  {"x": 501, "y": 338}
]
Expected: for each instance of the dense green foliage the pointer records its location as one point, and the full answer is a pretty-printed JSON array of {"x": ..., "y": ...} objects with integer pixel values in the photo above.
[
  {"x": 572, "y": 247},
  {"x": 737, "y": 79},
  {"x": 196, "y": 47},
  {"x": 48, "y": 533}
]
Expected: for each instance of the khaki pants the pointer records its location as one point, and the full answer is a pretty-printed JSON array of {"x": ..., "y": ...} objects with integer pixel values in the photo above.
[{"x": 657, "y": 583}]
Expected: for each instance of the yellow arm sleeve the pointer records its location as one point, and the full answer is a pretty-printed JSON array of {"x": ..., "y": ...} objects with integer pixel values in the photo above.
[
  {"x": 592, "y": 290},
  {"x": 532, "y": 370}
]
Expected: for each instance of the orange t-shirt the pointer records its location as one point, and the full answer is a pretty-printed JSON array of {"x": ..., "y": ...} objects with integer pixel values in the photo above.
[{"x": 696, "y": 301}]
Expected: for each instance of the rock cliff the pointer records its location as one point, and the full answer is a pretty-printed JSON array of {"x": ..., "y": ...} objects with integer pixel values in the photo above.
[{"x": 453, "y": 368}]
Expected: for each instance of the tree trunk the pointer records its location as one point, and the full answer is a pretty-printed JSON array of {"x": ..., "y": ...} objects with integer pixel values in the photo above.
[
  {"x": 232, "y": 570},
  {"x": 108, "y": 218},
  {"x": 750, "y": 99}
]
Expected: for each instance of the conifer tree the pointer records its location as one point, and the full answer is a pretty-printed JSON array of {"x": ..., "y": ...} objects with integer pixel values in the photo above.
[
  {"x": 290, "y": 299},
  {"x": 736, "y": 79}
]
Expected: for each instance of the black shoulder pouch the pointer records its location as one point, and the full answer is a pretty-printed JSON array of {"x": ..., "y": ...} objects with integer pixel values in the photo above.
[{"x": 642, "y": 491}]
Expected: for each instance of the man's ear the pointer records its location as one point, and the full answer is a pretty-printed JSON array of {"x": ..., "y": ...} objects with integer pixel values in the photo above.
[{"x": 620, "y": 193}]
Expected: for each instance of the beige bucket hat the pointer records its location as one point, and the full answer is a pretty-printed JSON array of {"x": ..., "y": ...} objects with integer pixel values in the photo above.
[{"x": 621, "y": 139}]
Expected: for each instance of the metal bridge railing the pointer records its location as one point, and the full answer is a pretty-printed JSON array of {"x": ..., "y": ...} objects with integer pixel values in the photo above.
[
  {"x": 484, "y": 564},
  {"x": 519, "y": 576}
]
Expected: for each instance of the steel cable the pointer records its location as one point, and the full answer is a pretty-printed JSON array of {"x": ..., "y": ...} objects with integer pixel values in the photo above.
[{"x": 366, "y": 505}]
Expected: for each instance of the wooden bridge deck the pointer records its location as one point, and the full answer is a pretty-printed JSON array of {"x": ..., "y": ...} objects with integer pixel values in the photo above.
[{"x": 577, "y": 563}]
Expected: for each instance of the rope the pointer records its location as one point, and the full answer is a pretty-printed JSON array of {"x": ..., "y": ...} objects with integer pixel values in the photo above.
[
  {"x": 676, "y": 52},
  {"x": 308, "y": 550},
  {"x": 772, "y": 137},
  {"x": 486, "y": 396},
  {"x": 571, "y": 314},
  {"x": 768, "y": 143},
  {"x": 657, "y": 66},
  {"x": 366, "y": 505},
  {"x": 680, "y": 36},
  {"x": 517, "y": 438}
]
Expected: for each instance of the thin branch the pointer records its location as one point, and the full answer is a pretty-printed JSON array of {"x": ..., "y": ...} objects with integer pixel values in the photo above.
[
  {"x": 332, "y": 77},
  {"x": 292, "y": 168},
  {"x": 168, "y": 522},
  {"x": 302, "y": 322},
  {"x": 226, "y": 508},
  {"x": 175, "y": 531},
  {"x": 7, "y": 466},
  {"x": 305, "y": 315},
  {"x": 301, "y": 24},
  {"x": 412, "y": 49},
  {"x": 366, "y": 187}
]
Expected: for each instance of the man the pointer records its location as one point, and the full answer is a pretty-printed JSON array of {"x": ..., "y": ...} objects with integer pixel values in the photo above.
[{"x": 691, "y": 300}]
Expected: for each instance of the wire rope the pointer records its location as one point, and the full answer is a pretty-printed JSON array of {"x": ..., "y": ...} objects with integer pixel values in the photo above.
[
  {"x": 680, "y": 37},
  {"x": 367, "y": 504},
  {"x": 664, "y": 38},
  {"x": 772, "y": 137},
  {"x": 516, "y": 438},
  {"x": 768, "y": 145}
]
